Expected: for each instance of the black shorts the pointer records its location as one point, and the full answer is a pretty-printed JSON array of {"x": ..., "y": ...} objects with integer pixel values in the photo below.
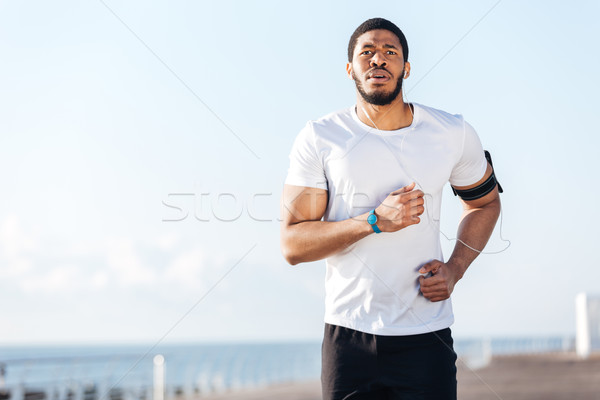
[{"x": 358, "y": 365}]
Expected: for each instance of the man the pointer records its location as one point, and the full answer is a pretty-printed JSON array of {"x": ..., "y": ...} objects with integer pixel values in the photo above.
[{"x": 364, "y": 191}]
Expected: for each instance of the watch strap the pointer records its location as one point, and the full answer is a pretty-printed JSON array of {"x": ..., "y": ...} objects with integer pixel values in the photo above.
[{"x": 374, "y": 224}]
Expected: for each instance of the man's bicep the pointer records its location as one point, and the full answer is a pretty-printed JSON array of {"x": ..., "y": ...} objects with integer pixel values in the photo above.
[
  {"x": 300, "y": 203},
  {"x": 482, "y": 201}
]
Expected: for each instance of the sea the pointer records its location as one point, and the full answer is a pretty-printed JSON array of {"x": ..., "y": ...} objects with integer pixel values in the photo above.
[{"x": 127, "y": 372}]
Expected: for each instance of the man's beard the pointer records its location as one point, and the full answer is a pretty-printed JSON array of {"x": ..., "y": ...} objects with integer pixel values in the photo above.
[{"x": 378, "y": 98}]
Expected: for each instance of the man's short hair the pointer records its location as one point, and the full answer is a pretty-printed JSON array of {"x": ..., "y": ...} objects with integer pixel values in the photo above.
[{"x": 377, "y": 23}]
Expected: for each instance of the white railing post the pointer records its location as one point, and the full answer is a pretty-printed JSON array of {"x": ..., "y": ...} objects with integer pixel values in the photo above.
[
  {"x": 582, "y": 333},
  {"x": 159, "y": 377}
]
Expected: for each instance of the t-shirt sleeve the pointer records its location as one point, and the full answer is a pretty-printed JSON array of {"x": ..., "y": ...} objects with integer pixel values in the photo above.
[
  {"x": 306, "y": 168},
  {"x": 472, "y": 164}
]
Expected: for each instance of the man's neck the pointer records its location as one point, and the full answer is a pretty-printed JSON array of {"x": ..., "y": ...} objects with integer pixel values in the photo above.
[{"x": 391, "y": 117}]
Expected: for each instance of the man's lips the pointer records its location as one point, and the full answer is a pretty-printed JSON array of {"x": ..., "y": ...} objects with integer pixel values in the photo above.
[{"x": 378, "y": 75}]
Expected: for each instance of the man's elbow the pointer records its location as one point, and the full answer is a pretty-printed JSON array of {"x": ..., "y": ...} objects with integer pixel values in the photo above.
[
  {"x": 290, "y": 256},
  {"x": 287, "y": 250},
  {"x": 291, "y": 259}
]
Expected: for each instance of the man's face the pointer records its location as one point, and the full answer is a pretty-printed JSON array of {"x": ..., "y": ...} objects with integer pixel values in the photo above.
[{"x": 378, "y": 66}]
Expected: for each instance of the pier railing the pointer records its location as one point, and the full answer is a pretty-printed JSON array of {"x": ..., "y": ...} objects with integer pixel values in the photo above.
[
  {"x": 194, "y": 371},
  {"x": 180, "y": 372}
]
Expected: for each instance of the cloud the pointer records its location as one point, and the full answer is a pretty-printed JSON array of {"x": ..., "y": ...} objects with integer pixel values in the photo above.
[
  {"x": 60, "y": 279},
  {"x": 186, "y": 269},
  {"x": 16, "y": 248},
  {"x": 14, "y": 267},
  {"x": 167, "y": 241},
  {"x": 31, "y": 263},
  {"x": 125, "y": 264}
]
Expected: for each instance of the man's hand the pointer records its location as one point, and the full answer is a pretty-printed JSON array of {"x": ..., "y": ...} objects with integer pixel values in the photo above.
[
  {"x": 476, "y": 226},
  {"x": 440, "y": 284},
  {"x": 400, "y": 209}
]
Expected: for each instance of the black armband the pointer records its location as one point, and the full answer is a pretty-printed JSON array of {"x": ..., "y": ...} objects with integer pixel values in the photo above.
[{"x": 483, "y": 189}]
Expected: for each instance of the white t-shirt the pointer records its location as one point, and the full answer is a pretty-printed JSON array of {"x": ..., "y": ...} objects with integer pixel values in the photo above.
[{"x": 372, "y": 286}]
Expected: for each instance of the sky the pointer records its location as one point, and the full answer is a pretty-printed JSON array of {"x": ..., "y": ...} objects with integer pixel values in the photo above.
[{"x": 144, "y": 145}]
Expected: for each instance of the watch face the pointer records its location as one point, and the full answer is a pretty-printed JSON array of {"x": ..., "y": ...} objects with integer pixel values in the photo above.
[{"x": 372, "y": 219}]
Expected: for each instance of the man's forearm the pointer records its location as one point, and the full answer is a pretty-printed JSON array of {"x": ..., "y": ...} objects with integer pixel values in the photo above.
[
  {"x": 304, "y": 237},
  {"x": 314, "y": 240},
  {"x": 475, "y": 228}
]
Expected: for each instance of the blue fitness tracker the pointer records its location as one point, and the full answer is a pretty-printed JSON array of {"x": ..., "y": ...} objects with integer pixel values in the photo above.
[{"x": 372, "y": 220}]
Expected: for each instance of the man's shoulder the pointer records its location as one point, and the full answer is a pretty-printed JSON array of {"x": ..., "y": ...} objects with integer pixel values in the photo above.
[
  {"x": 338, "y": 117},
  {"x": 334, "y": 126},
  {"x": 441, "y": 116}
]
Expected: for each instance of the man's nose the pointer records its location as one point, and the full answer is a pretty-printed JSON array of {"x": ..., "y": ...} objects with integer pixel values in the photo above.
[{"x": 378, "y": 60}]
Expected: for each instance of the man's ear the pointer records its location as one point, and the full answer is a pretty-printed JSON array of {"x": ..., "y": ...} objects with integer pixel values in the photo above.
[
  {"x": 349, "y": 70},
  {"x": 406, "y": 70}
]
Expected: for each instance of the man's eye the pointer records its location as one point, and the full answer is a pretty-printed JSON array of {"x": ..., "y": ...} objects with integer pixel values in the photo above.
[
  {"x": 366, "y": 52},
  {"x": 391, "y": 52}
]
